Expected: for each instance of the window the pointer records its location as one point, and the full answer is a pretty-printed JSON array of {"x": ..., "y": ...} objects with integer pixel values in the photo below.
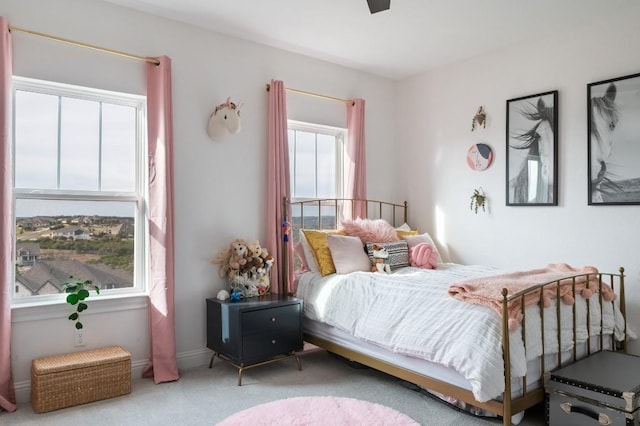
[
  {"x": 316, "y": 165},
  {"x": 79, "y": 156},
  {"x": 315, "y": 160}
]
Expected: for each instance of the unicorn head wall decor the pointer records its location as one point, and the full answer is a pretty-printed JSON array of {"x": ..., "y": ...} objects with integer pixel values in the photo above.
[{"x": 224, "y": 120}]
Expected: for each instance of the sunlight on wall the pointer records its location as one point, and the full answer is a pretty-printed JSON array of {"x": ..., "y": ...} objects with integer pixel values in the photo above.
[{"x": 441, "y": 236}]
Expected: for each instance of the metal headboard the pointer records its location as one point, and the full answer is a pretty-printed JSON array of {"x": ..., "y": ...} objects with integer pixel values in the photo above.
[{"x": 326, "y": 213}]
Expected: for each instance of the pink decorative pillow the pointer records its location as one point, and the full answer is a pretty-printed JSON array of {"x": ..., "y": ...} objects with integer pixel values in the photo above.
[
  {"x": 348, "y": 254},
  {"x": 370, "y": 230},
  {"x": 424, "y": 256},
  {"x": 414, "y": 240}
]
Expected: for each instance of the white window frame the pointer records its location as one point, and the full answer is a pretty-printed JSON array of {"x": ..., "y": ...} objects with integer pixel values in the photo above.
[
  {"x": 340, "y": 134},
  {"x": 139, "y": 196}
]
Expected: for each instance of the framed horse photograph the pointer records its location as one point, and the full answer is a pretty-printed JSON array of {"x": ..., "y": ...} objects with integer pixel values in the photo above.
[
  {"x": 614, "y": 141},
  {"x": 532, "y": 150}
]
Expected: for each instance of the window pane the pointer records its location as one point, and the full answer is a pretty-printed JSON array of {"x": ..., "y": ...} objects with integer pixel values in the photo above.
[
  {"x": 36, "y": 140},
  {"x": 80, "y": 144},
  {"x": 118, "y": 148},
  {"x": 56, "y": 239},
  {"x": 326, "y": 149},
  {"x": 305, "y": 169}
]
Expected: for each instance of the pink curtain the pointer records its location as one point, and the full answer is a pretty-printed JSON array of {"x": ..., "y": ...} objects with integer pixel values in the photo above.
[
  {"x": 7, "y": 395},
  {"x": 162, "y": 365},
  {"x": 355, "y": 170},
  {"x": 278, "y": 183}
]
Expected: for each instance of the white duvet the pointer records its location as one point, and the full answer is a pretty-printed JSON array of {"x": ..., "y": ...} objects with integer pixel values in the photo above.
[{"x": 410, "y": 312}]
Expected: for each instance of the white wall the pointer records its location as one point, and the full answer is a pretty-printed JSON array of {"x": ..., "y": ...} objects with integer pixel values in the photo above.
[
  {"x": 435, "y": 130},
  {"x": 418, "y": 156},
  {"x": 220, "y": 187}
]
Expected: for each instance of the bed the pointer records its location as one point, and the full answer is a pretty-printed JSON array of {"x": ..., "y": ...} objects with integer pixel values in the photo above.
[{"x": 455, "y": 349}]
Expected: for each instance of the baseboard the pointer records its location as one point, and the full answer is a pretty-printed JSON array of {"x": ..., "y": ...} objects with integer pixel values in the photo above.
[{"x": 185, "y": 360}]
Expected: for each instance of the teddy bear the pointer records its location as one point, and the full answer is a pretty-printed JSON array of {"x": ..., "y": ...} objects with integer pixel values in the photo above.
[
  {"x": 254, "y": 249},
  {"x": 380, "y": 253},
  {"x": 256, "y": 255},
  {"x": 231, "y": 259},
  {"x": 238, "y": 254},
  {"x": 252, "y": 267}
]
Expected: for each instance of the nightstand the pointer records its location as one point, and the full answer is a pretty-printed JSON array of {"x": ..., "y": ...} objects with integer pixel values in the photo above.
[{"x": 254, "y": 331}]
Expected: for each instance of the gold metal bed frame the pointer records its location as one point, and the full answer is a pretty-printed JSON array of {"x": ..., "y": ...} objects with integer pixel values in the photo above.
[{"x": 509, "y": 405}]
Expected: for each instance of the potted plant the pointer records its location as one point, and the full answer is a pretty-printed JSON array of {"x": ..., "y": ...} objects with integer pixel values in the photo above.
[
  {"x": 478, "y": 200},
  {"x": 78, "y": 292}
]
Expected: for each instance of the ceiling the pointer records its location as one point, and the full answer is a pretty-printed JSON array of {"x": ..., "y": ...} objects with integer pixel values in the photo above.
[{"x": 410, "y": 38}]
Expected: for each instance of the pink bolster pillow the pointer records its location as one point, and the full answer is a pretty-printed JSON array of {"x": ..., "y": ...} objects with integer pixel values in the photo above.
[{"x": 424, "y": 256}]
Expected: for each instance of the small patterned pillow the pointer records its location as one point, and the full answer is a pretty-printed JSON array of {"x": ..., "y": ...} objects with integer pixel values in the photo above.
[{"x": 398, "y": 253}]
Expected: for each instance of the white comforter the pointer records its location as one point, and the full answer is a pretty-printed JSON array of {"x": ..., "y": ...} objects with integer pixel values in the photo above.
[{"x": 410, "y": 312}]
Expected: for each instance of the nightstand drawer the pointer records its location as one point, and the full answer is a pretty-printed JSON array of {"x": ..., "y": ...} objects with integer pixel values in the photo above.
[
  {"x": 257, "y": 347},
  {"x": 284, "y": 319}
]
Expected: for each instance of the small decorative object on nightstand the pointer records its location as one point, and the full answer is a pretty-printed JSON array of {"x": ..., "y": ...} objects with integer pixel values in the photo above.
[
  {"x": 603, "y": 388},
  {"x": 254, "y": 331}
]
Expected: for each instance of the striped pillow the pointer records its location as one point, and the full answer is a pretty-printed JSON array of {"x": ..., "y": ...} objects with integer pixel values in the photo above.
[{"x": 398, "y": 253}]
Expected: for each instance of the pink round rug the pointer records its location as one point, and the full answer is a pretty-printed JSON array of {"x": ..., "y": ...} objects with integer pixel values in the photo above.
[{"x": 323, "y": 410}]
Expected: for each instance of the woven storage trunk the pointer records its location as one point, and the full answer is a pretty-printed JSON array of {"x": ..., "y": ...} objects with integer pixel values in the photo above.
[{"x": 71, "y": 379}]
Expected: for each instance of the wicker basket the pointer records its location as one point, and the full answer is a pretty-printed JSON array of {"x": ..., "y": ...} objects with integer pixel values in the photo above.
[{"x": 78, "y": 378}]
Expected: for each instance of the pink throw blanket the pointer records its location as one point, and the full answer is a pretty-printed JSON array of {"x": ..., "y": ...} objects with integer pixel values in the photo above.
[{"x": 487, "y": 291}]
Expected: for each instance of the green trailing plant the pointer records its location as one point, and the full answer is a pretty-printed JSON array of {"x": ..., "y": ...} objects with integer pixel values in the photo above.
[
  {"x": 480, "y": 118},
  {"x": 478, "y": 200},
  {"x": 78, "y": 292}
]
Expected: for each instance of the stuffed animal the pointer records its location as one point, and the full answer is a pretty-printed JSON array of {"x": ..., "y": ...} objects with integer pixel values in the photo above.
[
  {"x": 380, "y": 254},
  {"x": 245, "y": 286},
  {"x": 237, "y": 258},
  {"x": 253, "y": 267}
]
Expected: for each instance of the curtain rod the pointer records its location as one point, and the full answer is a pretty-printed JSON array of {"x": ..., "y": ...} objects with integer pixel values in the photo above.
[
  {"x": 317, "y": 95},
  {"x": 88, "y": 46}
]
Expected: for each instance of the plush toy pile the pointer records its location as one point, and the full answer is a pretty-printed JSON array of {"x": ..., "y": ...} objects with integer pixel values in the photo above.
[{"x": 247, "y": 266}]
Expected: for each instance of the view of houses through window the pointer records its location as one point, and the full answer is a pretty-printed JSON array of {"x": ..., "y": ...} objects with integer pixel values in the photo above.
[{"x": 78, "y": 188}]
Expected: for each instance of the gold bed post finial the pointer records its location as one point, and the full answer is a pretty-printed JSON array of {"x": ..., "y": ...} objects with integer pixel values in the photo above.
[{"x": 406, "y": 216}]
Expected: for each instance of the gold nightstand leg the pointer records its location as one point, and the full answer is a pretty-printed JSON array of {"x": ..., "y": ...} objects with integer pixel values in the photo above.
[
  {"x": 298, "y": 360},
  {"x": 212, "y": 358},
  {"x": 240, "y": 376},
  {"x": 242, "y": 367}
]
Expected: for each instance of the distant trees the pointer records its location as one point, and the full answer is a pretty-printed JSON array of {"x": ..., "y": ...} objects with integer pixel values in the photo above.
[{"x": 113, "y": 251}]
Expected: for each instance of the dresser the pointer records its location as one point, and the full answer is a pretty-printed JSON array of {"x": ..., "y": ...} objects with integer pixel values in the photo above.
[{"x": 254, "y": 331}]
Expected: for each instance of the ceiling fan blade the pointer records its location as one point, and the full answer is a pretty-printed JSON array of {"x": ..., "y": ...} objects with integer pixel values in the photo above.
[{"x": 376, "y": 6}]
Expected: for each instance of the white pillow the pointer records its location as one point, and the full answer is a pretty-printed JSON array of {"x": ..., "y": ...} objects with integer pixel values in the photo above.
[
  {"x": 312, "y": 263},
  {"x": 414, "y": 240},
  {"x": 404, "y": 227},
  {"x": 348, "y": 254}
]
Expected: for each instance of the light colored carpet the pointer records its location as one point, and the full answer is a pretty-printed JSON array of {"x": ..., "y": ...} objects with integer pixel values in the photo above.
[
  {"x": 318, "y": 411},
  {"x": 206, "y": 396}
]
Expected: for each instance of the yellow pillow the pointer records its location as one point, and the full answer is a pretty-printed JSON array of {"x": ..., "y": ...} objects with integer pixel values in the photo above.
[
  {"x": 318, "y": 242},
  {"x": 401, "y": 233}
]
